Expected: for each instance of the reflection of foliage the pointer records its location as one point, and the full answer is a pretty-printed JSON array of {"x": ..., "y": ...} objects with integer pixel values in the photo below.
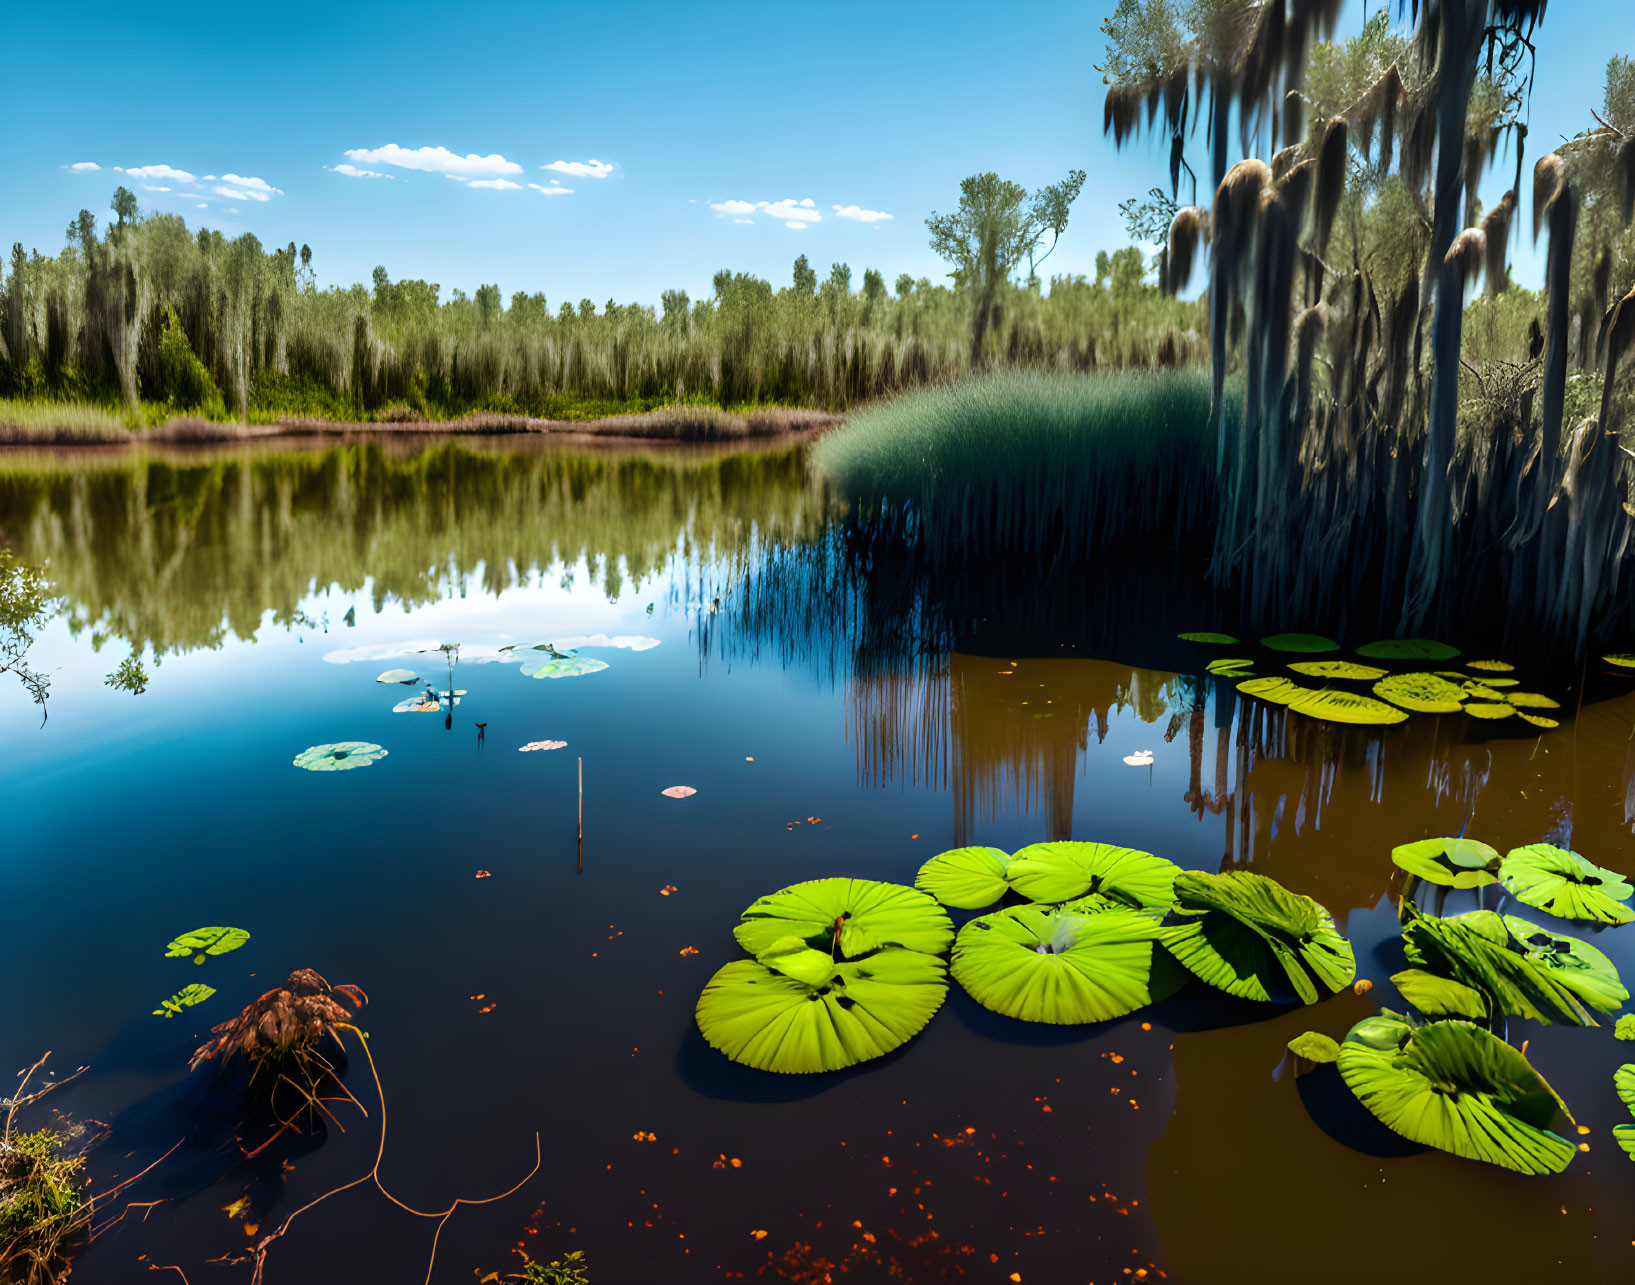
[
  {"x": 129, "y": 677},
  {"x": 25, "y": 602}
]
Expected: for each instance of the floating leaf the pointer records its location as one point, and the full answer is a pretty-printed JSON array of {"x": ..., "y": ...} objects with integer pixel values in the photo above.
[
  {"x": 541, "y": 745},
  {"x": 1408, "y": 649},
  {"x": 1624, "y": 1027},
  {"x": 1537, "y": 720},
  {"x": 792, "y": 957},
  {"x": 966, "y": 878},
  {"x": 1486, "y": 710},
  {"x": 1474, "y": 950},
  {"x": 1229, "y": 666},
  {"x": 1531, "y": 700},
  {"x": 1242, "y": 932},
  {"x": 1333, "y": 706},
  {"x": 187, "y": 997},
  {"x": 1197, "y": 636},
  {"x": 1623, "y": 1081},
  {"x": 1459, "y": 1088},
  {"x": 398, "y": 676},
  {"x": 562, "y": 667},
  {"x": 1044, "y": 964},
  {"x": 206, "y": 941},
  {"x": 1300, "y": 642},
  {"x": 1565, "y": 884},
  {"x": 1314, "y": 1046},
  {"x": 1440, "y": 996},
  {"x": 1490, "y": 666},
  {"x": 762, "y": 1018},
  {"x": 1579, "y": 966},
  {"x": 339, "y": 757},
  {"x": 1488, "y": 683},
  {"x": 1065, "y": 870},
  {"x": 678, "y": 792},
  {"x": 1483, "y": 691},
  {"x": 1278, "y": 690},
  {"x": 863, "y": 914},
  {"x": 1336, "y": 669},
  {"x": 1622, "y": 659},
  {"x": 1451, "y": 863},
  {"x": 1422, "y": 693}
]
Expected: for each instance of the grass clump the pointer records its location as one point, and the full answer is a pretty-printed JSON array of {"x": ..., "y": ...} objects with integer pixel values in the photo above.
[
  {"x": 1021, "y": 461},
  {"x": 42, "y": 1207}
]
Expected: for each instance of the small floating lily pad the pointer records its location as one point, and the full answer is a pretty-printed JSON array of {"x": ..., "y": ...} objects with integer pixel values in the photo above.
[
  {"x": 1333, "y": 706},
  {"x": 1451, "y": 863},
  {"x": 1531, "y": 700},
  {"x": 1065, "y": 870},
  {"x": 1622, "y": 659},
  {"x": 1490, "y": 666},
  {"x": 1459, "y": 1088},
  {"x": 1482, "y": 691},
  {"x": 342, "y": 756},
  {"x": 1421, "y": 693},
  {"x": 1577, "y": 965},
  {"x": 1314, "y": 1046},
  {"x": 398, "y": 676},
  {"x": 1408, "y": 649},
  {"x": 1565, "y": 884},
  {"x": 562, "y": 667},
  {"x": 1537, "y": 720},
  {"x": 1489, "y": 710},
  {"x": 1336, "y": 669},
  {"x": 1044, "y": 964},
  {"x": 864, "y": 914},
  {"x": 206, "y": 941},
  {"x": 1277, "y": 690},
  {"x": 541, "y": 745},
  {"x": 767, "y": 1019},
  {"x": 1624, "y": 1027},
  {"x": 966, "y": 878},
  {"x": 1231, "y": 666},
  {"x": 1201, "y": 636},
  {"x": 1300, "y": 642},
  {"x": 187, "y": 997}
]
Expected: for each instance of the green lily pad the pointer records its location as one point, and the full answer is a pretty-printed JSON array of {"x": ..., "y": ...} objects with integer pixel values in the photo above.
[
  {"x": 1490, "y": 666},
  {"x": 1459, "y": 1088},
  {"x": 1422, "y": 693},
  {"x": 1408, "y": 649},
  {"x": 1623, "y": 1081},
  {"x": 864, "y": 914},
  {"x": 1064, "y": 870},
  {"x": 206, "y": 941},
  {"x": 187, "y": 997},
  {"x": 1579, "y": 966},
  {"x": 1333, "y": 706},
  {"x": 398, "y": 676},
  {"x": 1044, "y": 964},
  {"x": 1622, "y": 659},
  {"x": 1314, "y": 1046},
  {"x": 1242, "y": 933},
  {"x": 1537, "y": 720},
  {"x": 1565, "y": 884},
  {"x": 966, "y": 878},
  {"x": 1439, "y": 997},
  {"x": 1277, "y": 690},
  {"x": 1481, "y": 691},
  {"x": 1489, "y": 710},
  {"x": 1474, "y": 950},
  {"x": 1531, "y": 700},
  {"x": 1230, "y": 667},
  {"x": 1336, "y": 669},
  {"x": 864, "y": 1009},
  {"x": 1300, "y": 642},
  {"x": 1201, "y": 636},
  {"x": 792, "y": 957},
  {"x": 1624, "y": 1027},
  {"x": 1490, "y": 683},
  {"x": 342, "y": 756},
  {"x": 562, "y": 667},
  {"x": 1451, "y": 863}
]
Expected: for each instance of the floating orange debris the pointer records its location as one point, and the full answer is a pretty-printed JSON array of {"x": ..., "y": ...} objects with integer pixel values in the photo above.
[
  {"x": 483, "y": 874},
  {"x": 639, "y": 1136},
  {"x": 678, "y": 792},
  {"x": 1362, "y": 986},
  {"x": 688, "y": 950},
  {"x": 668, "y": 889},
  {"x": 759, "y": 1235}
]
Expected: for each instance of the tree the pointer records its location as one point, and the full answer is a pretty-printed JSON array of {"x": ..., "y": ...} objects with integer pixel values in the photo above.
[
  {"x": 905, "y": 285},
  {"x": 124, "y": 205},
  {"x": 1050, "y": 208},
  {"x": 805, "y": 278},
  {"x": 676, "y": 306},
  {"x": 488, "y": 304}
]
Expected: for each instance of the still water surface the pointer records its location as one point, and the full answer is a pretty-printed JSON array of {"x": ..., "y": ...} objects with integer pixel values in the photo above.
[{"x": 836, "y": 717}]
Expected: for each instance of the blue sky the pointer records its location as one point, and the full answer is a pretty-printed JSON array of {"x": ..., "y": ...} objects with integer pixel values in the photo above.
[{"x": 882, "y": 107}]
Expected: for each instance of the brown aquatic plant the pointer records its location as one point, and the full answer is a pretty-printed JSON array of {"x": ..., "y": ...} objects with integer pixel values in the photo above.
[{"x": 286, "y": 1022}]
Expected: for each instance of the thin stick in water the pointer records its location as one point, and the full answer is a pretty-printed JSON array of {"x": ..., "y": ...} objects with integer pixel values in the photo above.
[{"x": 580, "y": 869}]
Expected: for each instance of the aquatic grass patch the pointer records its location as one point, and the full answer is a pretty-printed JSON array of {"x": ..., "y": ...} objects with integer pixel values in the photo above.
[{"x": 1028, "y": 462}]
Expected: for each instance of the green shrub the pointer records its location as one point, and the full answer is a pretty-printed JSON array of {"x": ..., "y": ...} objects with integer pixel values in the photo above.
[{"x": 184, "y": 381}]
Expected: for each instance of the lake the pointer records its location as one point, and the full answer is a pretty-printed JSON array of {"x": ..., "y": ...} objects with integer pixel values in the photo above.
[{"x": 839, "y": 710}]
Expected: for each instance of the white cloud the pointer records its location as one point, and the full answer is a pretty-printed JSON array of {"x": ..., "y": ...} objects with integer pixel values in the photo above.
[
  {"x": 204, "y": 205},
  {"x": 495, "y": 184},
  {"x": 791, "y": 210},
  {"x": 555, "y": 189},
  {"x": 209, "y": 178},
  {"x": 82, "y": 167},
  {"x": 743, "y": 220},
  {"x": 255, "y": 188},
  {"x": 435, "y": 160},
  {"x": 592, "y": 168},
  {"x": 796, "y": 224},
  {"x": 160, "y": 172},
  {"x": 860, "y": 215},
  {"x": 148, "y": 187},
  {"x": 735, "y": 207},
  {"x": 233, "y": 194},
  {"x": 352, "y": 171}
]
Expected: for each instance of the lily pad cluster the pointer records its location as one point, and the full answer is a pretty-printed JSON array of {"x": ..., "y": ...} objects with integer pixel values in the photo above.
[
  {"x": 199, "y": 943},
  {"x": 1367, "y": 692},
  {"x": 1541, "y": 875},
  {"x": 844, "y": 970}
]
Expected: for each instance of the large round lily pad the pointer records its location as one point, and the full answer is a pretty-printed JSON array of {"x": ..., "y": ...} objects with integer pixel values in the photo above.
[
  {"x": 342, "y": 756},
  {"x": 1421, "y": 693},
  {"x": 1334, "y": 706},
  {"x": 863, "y": 914},
  {"x": 1065, "y": 870},
  {"x": 1408, "y": 649},
  {"x": 966, "y": 878},
  {"x": 1565, "y": 884},
  {"x": 1474, "y": 950},
  {"x": 1054, "y": 965},
  {"x": 1457, "y": 1087},
  {"x": 1246, "y": 934},
  {"x": 1336, "y": 669},
  {"x": 1579, "y": 966},
  {"x": 1312, "y": 643},
  {"x": 862, "y": 1009},
  {"x": 1452, "y": 863}
]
